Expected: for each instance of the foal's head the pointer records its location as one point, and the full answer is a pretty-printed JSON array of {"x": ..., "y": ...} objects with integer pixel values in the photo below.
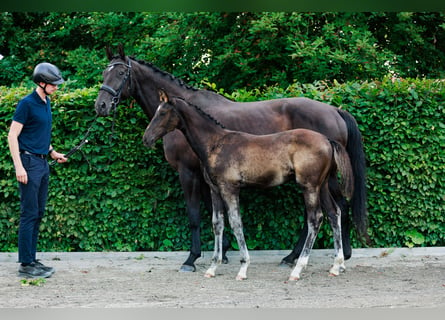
[{"x": 166, "y": 119}]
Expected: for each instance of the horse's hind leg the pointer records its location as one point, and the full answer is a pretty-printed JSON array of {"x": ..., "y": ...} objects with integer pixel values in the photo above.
[
  {"x": 334, "y": 215},
  {"x": 314, "y": 220},
  {"x": 289, "y": 260}
]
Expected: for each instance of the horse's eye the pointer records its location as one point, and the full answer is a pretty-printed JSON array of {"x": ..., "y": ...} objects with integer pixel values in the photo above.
[{"x": 121, "y": 73}]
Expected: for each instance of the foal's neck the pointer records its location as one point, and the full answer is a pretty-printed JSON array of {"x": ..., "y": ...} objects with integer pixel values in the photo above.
[{"x": 201, "y": 132}]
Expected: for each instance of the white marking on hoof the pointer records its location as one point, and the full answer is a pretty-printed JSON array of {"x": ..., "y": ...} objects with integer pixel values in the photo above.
[
  {"x": 210, "y": 273},
  {"x": 335, "y": 270}
]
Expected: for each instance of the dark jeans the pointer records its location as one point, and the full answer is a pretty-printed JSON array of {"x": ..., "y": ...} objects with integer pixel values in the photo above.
[{"x": 33, "y": 196}]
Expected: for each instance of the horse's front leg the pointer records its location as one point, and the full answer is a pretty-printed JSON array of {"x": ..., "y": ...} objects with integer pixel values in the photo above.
[
  {"x": 314, "y": 220},
  {"x": 218, "y": 228},
  {"x": 191, "y": 185}
]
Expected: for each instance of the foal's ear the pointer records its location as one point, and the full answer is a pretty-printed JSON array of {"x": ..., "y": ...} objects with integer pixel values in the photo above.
[{"x": 162, "y": 96}]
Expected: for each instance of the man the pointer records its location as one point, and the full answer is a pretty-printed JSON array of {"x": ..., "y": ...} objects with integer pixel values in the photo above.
[{"x": 29, "y": 142}]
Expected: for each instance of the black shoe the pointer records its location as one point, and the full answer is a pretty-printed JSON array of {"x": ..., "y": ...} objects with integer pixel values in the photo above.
[
  {"x": 43, "y": 267},
  {"x": 32, "y": 271}
]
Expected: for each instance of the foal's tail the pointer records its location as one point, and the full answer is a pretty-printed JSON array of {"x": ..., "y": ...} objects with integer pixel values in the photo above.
[
  {"x": 356, "y": 154},
  {"x": 344, "y": 167}
]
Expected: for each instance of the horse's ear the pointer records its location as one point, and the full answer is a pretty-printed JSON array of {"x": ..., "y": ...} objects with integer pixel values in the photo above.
[
  {"x": 162, "y": 96},
  {"x": 120, "y": 49},
  {"x": 109, "y": 53}
]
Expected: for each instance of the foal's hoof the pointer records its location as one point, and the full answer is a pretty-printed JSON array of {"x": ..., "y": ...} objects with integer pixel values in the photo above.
[
  {"x": 187, "y": 268},
  {"x": 240, "y": 278},
  {"x": 225, "y": 260},
  {"x": 294, "y": 279},
  {"x": 209, "y": 275}
]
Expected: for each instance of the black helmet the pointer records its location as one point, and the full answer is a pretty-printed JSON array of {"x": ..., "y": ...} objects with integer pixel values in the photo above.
[{"x": 47, "y": 73}]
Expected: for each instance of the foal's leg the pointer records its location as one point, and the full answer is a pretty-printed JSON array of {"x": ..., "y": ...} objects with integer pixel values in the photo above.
[
  {"x": 218, "y": 228},
  {"x": 314, "y": 219},
  {"x": 343, "y": 205},
  {"x": 334, "y": 188},
  {"x": 237, "y": 227},
  {"x": 232, "y": 204},
  {"x": 334, "y": 215}
]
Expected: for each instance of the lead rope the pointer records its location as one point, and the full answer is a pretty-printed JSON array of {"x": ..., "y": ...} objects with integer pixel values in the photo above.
[
  {"x": 77, "y": 147},
  {"x": 110, "y": 138}
]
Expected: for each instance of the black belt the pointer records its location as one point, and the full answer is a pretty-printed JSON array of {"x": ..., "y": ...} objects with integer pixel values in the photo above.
[{"x": 41, "y": 156}]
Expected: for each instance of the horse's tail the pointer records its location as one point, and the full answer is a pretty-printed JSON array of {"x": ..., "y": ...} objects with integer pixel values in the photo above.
[
  {"x": 354, "y": 148},
  {"x": 344, "y": 168}
]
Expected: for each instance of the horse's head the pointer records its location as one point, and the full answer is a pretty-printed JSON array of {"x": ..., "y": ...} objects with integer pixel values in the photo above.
[
  {"x": 116, "y": 84},
  {"x": 166, "y": 119}
]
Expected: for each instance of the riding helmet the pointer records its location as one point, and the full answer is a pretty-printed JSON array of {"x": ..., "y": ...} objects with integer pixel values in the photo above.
[{"x": 47, "y": 73}]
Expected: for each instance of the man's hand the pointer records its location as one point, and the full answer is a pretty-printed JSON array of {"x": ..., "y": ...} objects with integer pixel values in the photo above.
[
  {"x": 21, "y": 175},
  {"x": 59, "y": 157}
]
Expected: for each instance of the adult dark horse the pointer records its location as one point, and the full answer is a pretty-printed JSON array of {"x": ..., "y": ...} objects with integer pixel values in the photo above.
[
  {"x": 127, "y": 77},
  {"x": 232, "y": 160}
]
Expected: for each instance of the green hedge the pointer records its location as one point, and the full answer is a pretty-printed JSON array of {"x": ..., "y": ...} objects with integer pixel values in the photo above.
[{"x": 118, "y": 195}]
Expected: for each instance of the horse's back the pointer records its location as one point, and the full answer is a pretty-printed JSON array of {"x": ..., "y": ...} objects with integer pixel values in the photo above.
[{"x": 270, "y": 116}]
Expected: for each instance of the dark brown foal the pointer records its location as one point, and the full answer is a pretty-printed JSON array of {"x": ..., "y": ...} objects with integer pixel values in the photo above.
[{"x": 232, "y": 160}]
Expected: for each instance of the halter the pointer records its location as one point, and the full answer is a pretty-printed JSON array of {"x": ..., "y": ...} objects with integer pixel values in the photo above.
[{"x": 116, "y": 94}]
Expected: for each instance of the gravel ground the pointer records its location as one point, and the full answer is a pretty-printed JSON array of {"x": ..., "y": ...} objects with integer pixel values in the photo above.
[{"x": 374, "y": 278}]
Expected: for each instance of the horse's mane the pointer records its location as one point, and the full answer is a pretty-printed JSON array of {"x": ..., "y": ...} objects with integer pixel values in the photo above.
[
  {"x": 178, "y": 81},
  {"x": 202, "y": 112},
  {"x": 164, "y": 73}
]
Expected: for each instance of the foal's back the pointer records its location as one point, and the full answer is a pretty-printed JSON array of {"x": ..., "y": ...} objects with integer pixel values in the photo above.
[{"x": 270, "y": 160}]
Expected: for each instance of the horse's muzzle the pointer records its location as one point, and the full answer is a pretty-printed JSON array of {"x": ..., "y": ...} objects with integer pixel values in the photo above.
[{"x": 102, "y": 109}]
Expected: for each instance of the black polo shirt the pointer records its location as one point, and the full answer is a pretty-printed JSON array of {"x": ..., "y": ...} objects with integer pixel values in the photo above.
[{"x": 36, "y": 117}]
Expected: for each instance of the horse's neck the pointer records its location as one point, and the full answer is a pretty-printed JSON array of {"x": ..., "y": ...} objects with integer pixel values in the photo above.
[
  {"x": 201, "y": 132},
  {"x": 148, "y": 80}
]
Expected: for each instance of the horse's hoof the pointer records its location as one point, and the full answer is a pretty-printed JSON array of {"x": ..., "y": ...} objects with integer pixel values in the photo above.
[
  {"x": 187, "y": 268},
  {"x": 209, "y": 275},
  {"x": 225, "y": 260},
  {"x": 286, "y": 264},
  {"x": 294, "y": 279},
  {"x": 240, "y": 278}
]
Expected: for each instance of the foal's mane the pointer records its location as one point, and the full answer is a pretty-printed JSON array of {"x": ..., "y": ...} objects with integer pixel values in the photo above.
[{"x": 202, "y": 112}]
